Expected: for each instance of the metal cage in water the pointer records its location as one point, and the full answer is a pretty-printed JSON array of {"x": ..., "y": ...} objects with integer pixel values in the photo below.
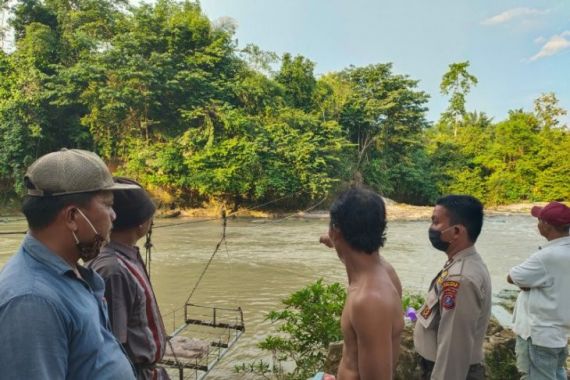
[{"x": 206, "y": 335}]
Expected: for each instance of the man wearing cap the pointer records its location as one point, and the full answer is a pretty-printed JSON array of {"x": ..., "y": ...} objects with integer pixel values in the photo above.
[
  {"x": 53, "y": 314},
  {"x": 133, "y": 311},
  {"x": 542, "y": 313}
]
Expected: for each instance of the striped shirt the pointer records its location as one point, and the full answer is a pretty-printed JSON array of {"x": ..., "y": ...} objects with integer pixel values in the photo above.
[{"x": 133, "y": 311}]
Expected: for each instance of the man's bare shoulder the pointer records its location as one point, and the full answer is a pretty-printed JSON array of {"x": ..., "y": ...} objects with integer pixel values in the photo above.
[
  {"x": 393, "y": 275},
  {"x": 374, "y": 313},
  {"x": 369, "y": 301}
]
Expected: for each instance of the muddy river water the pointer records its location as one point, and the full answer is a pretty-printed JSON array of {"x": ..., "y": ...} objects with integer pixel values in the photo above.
[{"x": 263, "y": 261}]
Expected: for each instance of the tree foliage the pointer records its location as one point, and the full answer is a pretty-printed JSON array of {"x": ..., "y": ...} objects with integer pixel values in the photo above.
[
  {"x": 522, "y": 158},
  {"x": 166, "y": 96}
]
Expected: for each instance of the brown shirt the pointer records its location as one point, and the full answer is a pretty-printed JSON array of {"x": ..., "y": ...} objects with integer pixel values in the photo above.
[
  {"x": 133, "y": 311},
  {"x": 452, "y": 324}
]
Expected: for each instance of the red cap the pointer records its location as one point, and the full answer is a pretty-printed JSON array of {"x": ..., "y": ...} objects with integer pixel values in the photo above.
[{"x": 555, "y": 213}]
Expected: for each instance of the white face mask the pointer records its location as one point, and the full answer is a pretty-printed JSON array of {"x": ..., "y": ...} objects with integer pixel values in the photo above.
[{"x": 88, "y": 251}]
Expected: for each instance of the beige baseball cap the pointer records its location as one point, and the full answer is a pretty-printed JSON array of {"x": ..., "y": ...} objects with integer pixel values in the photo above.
[{"x": 70, "y": 171}]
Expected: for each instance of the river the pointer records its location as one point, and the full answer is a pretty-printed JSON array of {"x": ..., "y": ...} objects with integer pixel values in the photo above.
[{"x": 263, "y": 261}]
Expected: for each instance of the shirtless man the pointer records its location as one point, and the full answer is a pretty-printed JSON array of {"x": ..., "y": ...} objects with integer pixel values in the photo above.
[{"x": 372, "y": 319}]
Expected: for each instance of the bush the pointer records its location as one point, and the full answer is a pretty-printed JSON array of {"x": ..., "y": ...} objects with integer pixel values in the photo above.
[
  {"x": 412, "y": 300},
  {"x": 309, "y": 322}
]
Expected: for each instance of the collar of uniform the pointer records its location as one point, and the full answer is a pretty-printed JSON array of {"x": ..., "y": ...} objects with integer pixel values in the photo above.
[
  {"x": 130, "y": 252},
  {"x": 39, "y": 252},
  {"x": 556, "y": 242},
  {"x": 463, "y": 254}
]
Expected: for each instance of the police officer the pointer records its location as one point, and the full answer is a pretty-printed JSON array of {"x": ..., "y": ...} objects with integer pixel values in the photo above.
[{"x": 452, "y": 323}]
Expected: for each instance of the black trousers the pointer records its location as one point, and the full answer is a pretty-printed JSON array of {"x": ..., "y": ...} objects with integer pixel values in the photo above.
[{"x": 476, "y": 371}]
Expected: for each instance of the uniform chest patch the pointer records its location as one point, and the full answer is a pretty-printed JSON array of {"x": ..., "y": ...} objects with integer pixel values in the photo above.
[{"x": 425, "y": 312}]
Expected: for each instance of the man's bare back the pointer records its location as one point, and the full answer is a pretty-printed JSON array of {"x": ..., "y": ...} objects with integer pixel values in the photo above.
[{"x": 372, "y": 322}]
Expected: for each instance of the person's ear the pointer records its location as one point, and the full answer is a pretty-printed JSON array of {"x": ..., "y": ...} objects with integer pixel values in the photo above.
[
  {"x": 69, "y": 215},
  {"x": 335, "y": 232},
  {"x": 458, "y": 229}
]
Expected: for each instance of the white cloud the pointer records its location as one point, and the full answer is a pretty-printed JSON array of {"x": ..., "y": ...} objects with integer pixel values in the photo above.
[
  {"x": 511, "y": 14},
  {"x": 554, "y": 45}
]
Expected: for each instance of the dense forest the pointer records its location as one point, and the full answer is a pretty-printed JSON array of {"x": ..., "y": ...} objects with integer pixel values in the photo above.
[{"x": 169, "y": 97}]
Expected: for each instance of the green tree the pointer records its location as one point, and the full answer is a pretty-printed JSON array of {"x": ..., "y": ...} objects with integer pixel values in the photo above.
[
  {"x": 259, "y": 60},
  {"x": 511, "y": 158},
  {"x": 457, "y": 83},
  {"x": 331, "y": 94},
  {"x": 384, "y": 117},
  {"x": 552, "y": 165},
  {"x": 296, "y": 76},
  {"x": 457, "y": 162},
  {"x": 160, "y": 76},
  {"x": 548, "y": 110}
]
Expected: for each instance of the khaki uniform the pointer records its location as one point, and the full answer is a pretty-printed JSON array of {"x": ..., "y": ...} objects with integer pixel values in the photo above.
[{"x": 451, "y": 325}]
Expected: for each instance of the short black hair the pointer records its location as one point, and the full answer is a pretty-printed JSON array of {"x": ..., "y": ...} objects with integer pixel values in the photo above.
[
  {"x": 466, "y": 210},
  {"x": 132, "y": 206},
  {"x": 360, "y": 214},
  {"x": 40, "y": 212}
]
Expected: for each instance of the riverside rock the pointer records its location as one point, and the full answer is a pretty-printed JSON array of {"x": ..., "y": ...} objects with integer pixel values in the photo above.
[{"x": 499, "y": 349}]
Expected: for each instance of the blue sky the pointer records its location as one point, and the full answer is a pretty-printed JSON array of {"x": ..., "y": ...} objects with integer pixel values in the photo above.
[{"x": 517, "y": 49}]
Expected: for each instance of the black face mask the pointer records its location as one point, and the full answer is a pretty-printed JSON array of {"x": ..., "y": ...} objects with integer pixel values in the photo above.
[
  {"x": 435, "y": 239},
  {"x": 88, "y": 251}
]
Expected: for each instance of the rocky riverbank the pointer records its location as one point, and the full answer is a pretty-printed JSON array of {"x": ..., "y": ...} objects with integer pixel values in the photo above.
[
  {"x": 395, "y": 211},
  {"x": 499, "y": 351}
]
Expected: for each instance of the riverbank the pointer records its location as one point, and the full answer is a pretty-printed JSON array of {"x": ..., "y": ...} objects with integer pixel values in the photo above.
[{"x": 395, "y": 211}]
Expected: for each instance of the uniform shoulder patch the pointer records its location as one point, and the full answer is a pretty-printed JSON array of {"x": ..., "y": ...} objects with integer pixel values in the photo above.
[
  {"x": 450, "y": 285},
  {"x": 448, "y": 301},
  {"x": 449, "y": 292}
]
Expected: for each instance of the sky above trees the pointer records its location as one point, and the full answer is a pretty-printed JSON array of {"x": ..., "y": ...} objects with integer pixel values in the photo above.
[{"x": 517, "y": 49}]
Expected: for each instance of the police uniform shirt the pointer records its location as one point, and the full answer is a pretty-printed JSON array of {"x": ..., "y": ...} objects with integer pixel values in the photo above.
[{"x": 452, "y": 323}]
